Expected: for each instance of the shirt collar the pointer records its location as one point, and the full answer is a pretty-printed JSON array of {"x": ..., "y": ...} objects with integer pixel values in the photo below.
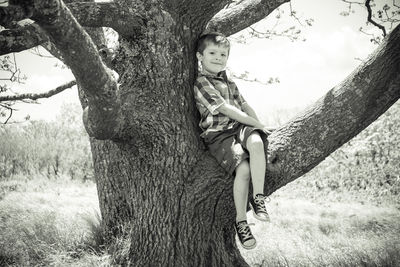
[{"x": 221, "y": 74}]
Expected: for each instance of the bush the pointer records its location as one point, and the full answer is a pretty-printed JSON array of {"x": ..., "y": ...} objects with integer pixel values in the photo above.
[
  {"x": 367, "y": 164},
  {"x": 49, "y": 148}
]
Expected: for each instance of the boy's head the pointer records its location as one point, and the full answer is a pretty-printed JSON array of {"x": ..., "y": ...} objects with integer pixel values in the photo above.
[
  {"x": 213, "y": 51},
  {"x": 215, "y": 38}
]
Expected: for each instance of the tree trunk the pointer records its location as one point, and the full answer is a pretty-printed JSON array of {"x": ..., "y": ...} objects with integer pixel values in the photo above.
[{"x": 163, "y": 185}]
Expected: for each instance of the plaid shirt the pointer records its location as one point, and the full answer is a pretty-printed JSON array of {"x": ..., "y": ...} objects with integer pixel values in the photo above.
[{"x": 211, "y": 92}]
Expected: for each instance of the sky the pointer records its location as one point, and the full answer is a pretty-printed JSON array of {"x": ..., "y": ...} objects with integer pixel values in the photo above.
[{"x": 334, "y": 47}]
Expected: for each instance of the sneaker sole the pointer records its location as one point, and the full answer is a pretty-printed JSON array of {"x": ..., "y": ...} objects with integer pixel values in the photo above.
[
  {"x": 258, "y": 217},
  {"x": 246, "y": 247},
  {"x": 249, "y": 247}
]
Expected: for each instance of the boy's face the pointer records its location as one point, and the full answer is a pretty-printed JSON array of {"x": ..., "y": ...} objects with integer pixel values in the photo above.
[{"x": 214, "y": 58}]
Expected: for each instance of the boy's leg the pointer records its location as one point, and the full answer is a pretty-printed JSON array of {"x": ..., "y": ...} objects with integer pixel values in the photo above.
[
  {"x": 240, "y": 193},
  {"x": 255, "y": 146},
  {"x": 241, "y": 190}
]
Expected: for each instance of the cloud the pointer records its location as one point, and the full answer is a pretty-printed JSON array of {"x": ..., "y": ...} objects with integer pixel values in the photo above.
[
  {"x": 306, "y": 69},
  {"x": 43, "y": 82}
]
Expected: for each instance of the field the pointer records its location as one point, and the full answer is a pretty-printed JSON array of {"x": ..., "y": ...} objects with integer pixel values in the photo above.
[
  {"x": 345, "y": 212},
  {"x": 322, "y": 232},
  {"x": 56, "y": 223},
  {"x": 49, "y": 223}
]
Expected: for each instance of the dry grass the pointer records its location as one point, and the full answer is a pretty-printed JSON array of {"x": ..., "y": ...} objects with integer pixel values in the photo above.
[
  {"x": 45, "y": 222},
  {"x": 55, "y": 223},
  {"x": 302, "y": 233}
]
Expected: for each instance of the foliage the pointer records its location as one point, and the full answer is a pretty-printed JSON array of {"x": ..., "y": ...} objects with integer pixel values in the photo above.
[
  {"x": 50, "y": 148},
  {"x": 283, "y": 22},
  {"x": 9, "y": 74},
  {"x": 10, "y": 71},
  {"x": 368, "y": 165},
  {"x": 382, "y": 14}
]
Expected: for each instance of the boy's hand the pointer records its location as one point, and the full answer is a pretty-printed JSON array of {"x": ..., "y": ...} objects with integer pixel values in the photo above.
[{"x": 268, "y": 130}]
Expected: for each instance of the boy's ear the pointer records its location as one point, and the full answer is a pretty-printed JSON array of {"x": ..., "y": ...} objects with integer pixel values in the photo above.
[{"x": 199, "y": 56}]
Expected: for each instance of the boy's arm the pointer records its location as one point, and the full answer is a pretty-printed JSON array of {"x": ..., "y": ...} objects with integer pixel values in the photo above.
[
  {"x": 249, "y": 110},
  {"x": 240, "y": 116}
]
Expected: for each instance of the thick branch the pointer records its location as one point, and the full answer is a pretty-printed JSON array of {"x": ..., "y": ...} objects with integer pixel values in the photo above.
[
  {"x": 237, "y": 17},
  {"x": 10, "y": 15},
  {"x": 22, "y": 38},
  {"x": 90, "y": 14},
  {"x": 33, "y": 96},
  {"x": 337, "y": 117},
  {"x": 75, "y": 45}
]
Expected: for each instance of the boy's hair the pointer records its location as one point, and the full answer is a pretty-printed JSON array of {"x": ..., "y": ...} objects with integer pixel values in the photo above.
[{"x": 212, "y": 37}]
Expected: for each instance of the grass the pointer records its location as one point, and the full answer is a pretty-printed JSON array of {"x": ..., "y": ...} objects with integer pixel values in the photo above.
[
  {"x": 56, "y": 223},
  {"x": 49, "y": 223},
  {"x": 302, "y": 233}
]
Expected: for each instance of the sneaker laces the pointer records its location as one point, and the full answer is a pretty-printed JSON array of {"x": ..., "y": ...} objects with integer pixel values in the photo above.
[
  {"x": 244, "y": 230},
  {"x": 260, "y": 200}
]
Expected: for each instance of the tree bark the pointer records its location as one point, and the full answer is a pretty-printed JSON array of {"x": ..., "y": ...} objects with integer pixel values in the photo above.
[
  {"x": 230, "y": 20},
  {"x": 22, "y": 38},
  {"x": 156, "y": 183}
]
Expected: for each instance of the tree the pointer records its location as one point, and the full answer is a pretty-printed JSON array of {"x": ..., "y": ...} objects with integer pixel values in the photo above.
[{"x": 153, "y": 174}]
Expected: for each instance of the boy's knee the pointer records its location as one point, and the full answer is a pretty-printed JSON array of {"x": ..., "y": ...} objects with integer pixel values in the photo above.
[
  {"x": 255, "y": 143},
  {"x": 243, "y": 170}
]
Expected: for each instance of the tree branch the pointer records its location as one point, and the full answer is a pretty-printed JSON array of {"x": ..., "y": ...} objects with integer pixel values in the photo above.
[
  {"x": 337, "y": 117},
  {"x": 101, "y": 117},
  {"x": 21, "y": 38},
  {"x": 8, "y": 108},
  {"x": 11, "y": 14},
  {"x": 88, "y": 14},
  {"x": 239, "y": 16},
  {"x": 367, "y": 4},
  {"x": 32, "y": 96},
  {"x": 104, "y": 14},
  {"x": 394, "y": 4}
]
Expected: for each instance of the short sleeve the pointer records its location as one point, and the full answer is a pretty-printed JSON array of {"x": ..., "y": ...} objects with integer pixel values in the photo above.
[
  {"x": 206, "y": 94},
  {"x": 236, "y": 94}
]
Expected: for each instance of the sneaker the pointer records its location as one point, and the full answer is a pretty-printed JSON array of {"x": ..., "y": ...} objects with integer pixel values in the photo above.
[
  {"x": 258, "y": 206},
  {"x": 246, "y": 238}
]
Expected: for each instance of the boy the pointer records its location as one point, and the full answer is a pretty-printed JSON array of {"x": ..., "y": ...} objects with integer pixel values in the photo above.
[{"x": 231, "y": 131}]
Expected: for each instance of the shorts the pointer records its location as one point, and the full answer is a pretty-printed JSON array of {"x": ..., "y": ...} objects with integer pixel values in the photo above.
[{"x": 229, "y": 147}]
